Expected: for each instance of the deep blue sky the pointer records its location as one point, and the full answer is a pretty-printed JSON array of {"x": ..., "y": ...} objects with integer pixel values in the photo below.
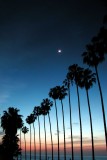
[{"x": 31, "y": 32}]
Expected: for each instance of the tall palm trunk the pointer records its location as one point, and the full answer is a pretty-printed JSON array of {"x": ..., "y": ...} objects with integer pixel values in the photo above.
[
  {"x": 51, "y": 134},
  {"x": 72, "y": 148},
  {"x": 25, "y": 147},
  {"x": 81, "y": 146},
  {"x": 102, "y": 103},
  {"x": 34, "y": 142},
  {"x": 30, "y": 141},
  {"x": 20, "y": 143},
  {"x": 92, "y": 139},
  {"x": 63, "y": 130},
  {"x": 45, "y": 139},
  {"x": 39, "y": 138},
  {"x": 57, "y": 130}
]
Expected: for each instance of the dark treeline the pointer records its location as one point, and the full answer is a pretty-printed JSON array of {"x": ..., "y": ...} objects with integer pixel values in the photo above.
[{"x": 82, "y": 78}]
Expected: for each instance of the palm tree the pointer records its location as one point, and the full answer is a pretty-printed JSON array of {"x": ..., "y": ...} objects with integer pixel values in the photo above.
[
  {"x": 10, "y": 147},
  {"x": 93, "y": 57},
  {"x": 44, "y": 113},
  {"x": 74, "y": 74},
  {"x": 30, "y": 119},
  {"x": 37, "y": 112},
  {"x": 11, "y": 118},
  {"x": 100, "y": 41},
  {"x": 46, "y": 107},
  {"x": 87, "y": 80},
  {"x": 67, "y": 83},
  {"x": 34, "y": 137},
  {"x": 24, "y": 131},
  {"x": 20, "y": 142},
  {"x": 33, "y": 120},
  {"x": 55, "y": 94},
  {"x": 62, "y": 93},
  {"x": 21, "y": 139}
]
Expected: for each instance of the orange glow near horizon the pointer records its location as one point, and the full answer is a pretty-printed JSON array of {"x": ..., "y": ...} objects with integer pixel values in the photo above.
[{"x": 99, "y": 147}]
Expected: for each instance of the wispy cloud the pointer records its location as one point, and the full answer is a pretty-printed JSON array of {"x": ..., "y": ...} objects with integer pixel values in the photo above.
[
  {"x": 4, "y": 96},
  {"x": 8, "y": 86}
]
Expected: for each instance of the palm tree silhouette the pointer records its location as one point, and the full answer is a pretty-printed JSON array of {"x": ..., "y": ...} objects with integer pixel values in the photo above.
[
  {"x": 44, "y": 113},
  {"x": 46, "y": 107},
  {"x": 11, "y": 117},
  {"x": 24, "y": 131},
  {"x": 37, "y": 112},
  {"x": 54, "y": 93},
  {"x": 67, "y": 83},
  {"x": 74, "y": 74},
  {"x": 21, "y": 139},
  {"x": 87, "y": 80},
  {"x": 34, "y": 118},
  {"x": 11, "y": 121},
  {"x": 62, "y": 93},
  {"x": 100, "y": 41},
  {"x": 93, "y": 57},
  {"x": 10, "y": 147},
  {"x": 30, "y": 119}
]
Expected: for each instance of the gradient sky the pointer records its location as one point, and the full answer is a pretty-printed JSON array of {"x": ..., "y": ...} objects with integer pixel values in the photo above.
[{"x": 31, "y": 32}]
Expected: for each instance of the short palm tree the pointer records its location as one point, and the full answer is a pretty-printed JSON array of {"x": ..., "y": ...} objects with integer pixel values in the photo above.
[
  {"x": 46, "y": 107},
  {"x": 30, "y": 119},
  {"x": 11, "y": 117},
  {"x": 37, "y": 112},
  {"x": 10, "y": 147},
  {"x": 67, "y": 83},
  {"x": 55, "y": 94},
  {"x": 24, "y": 131},
  {"x": 74, "y": 74},
  {"x": 93, "y": 56},
  {"x": 87, "y": 80},
  {"x": 11, "y": 121}
]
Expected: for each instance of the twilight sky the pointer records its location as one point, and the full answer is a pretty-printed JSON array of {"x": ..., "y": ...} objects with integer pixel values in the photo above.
[{"x": 31, "y": 32}]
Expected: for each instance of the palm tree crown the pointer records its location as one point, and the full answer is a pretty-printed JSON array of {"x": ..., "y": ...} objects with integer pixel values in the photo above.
[
  {"x": 11, "y": 118},
  {"x": 93, "y": 56},
  {"x": 25, "y": 130},
  {"x": 46, "y": 106},
  {"x": 74, "y": 73},
  {"x": 54, "y": 93},
  {"x": 87, "y": 79},
  {"x": 37, "y": 111},
  {"x": 30, "y": 119}
]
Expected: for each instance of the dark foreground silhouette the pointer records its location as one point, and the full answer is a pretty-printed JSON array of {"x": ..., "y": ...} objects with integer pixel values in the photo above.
[{"x": 11, "y": 121}]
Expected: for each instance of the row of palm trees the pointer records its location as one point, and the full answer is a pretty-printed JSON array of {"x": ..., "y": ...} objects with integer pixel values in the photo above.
[
  {"x": 82, "y": 78},
  {"x": 39, "y": 110}
]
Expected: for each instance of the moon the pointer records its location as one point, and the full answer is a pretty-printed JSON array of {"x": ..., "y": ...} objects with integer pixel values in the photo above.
[{"x": 59, "y": 51}]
